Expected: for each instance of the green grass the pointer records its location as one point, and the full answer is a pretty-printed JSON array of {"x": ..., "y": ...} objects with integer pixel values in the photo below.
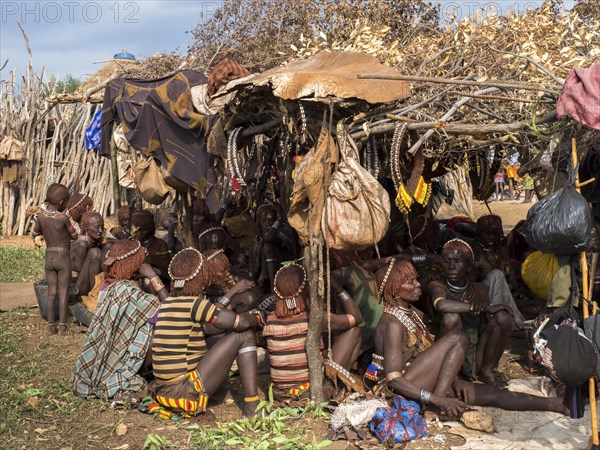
[{"x": 18, "y": 264}]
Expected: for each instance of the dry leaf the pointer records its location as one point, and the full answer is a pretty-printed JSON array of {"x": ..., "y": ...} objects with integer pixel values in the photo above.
[{"x": 33, "y": 401}]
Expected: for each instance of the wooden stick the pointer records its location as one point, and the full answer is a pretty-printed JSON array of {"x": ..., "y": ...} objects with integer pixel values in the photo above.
[
  {"x": 458, "y": 127},
  {"x": 586, "y": 313},
  {"x": 492, "y": 97},
  {"x": 115, "y": 174},
  {"x": 535, "y": 63},
  {"x": 487, "y": 83}
]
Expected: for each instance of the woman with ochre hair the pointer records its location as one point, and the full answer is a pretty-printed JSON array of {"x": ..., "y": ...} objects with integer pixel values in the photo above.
[
  {"x": 286, "y": 330},
  {"x": 187, "y": 370},
  {"x": 119, "y": 335},
  {"x": 408, "y": 361}
]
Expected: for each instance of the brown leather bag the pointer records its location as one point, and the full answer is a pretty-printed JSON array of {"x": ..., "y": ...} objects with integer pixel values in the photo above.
[{"x": 150, "y": 181}]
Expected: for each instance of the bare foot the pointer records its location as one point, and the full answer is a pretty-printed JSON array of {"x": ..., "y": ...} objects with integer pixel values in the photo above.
[
  {"x": 63, "y": 329},
  {"x": 491, "y": 379},
  {"x": 52, "y": 329},
  {"x": 249, "y": 409}
]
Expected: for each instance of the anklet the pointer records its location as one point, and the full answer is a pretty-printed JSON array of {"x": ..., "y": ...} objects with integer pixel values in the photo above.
[{"x": 251, "y": 399}]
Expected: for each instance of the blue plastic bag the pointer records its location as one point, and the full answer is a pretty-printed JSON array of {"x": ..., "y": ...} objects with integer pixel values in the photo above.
[{"x": 400, "y": 422}]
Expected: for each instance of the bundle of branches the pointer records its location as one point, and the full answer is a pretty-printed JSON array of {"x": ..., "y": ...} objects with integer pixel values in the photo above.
[{"x": 517, "y": 64}]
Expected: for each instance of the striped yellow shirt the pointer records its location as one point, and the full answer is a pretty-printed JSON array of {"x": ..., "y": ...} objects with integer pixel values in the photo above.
[{"x": 178, "y": 344}]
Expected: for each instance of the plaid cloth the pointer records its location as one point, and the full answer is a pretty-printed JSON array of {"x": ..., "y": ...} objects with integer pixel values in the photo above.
[
  {"x": 116, "y": 343},
  {"x": 224, "y": 72}
]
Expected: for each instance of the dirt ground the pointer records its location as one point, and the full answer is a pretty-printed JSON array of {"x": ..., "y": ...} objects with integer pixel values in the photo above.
[
  {"x": 511, "y": 211},
  {"x": 93, "y": 424}
]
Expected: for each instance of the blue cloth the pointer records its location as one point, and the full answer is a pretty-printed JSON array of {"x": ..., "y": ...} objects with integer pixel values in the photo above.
[
  {"x": 93, "y": 133},
  {"x": 400, "y": 422}
]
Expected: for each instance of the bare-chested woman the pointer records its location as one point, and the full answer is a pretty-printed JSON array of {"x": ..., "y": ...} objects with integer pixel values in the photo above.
[
  {"x": 187, "y": 369},
  {"x": 466, "y": 306},
  {"x": 58, "y": 233},
  {"x": 86, "y": 252},
  {"x": 423, "y": 370}
]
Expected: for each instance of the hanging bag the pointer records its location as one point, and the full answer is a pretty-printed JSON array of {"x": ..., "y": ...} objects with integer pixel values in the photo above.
[
  {"x": 560, "y": 223},
  {"x": 565, "y": 349},
  {"x": 357, "y": 208},
  {"x": 150, "y": 181}
]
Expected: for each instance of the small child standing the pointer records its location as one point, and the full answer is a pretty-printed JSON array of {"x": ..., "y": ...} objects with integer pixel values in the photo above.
[{"x": 58, "y": 233}]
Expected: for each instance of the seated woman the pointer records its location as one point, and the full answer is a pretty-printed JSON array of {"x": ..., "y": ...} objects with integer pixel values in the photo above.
[
  {"x": 491, "y": 264},
  {"x": 214, "y": 237},
  {"x": 143, "y": 229},
  {"x": 350, "y": 278},
  {"x": 186, "y": 371},
  {"x": 274, "y": 244},
  {"x": 119, "y": 335},
  {"x": 465, "y": 305},
  {"x": 419, "y": 368},
  {"x": 123, "y": 230},
  {"x": 86, "y": 252},
  {"x": 286, "y": 331},
  {"x": 77, "y": 206}
]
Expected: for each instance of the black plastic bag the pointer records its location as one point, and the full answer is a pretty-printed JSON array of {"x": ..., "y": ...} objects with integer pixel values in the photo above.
[{"x": 560, "y": 223}]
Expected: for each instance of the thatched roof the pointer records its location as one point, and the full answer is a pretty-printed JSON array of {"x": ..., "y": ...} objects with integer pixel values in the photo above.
[{"x": 92, "y": 89}]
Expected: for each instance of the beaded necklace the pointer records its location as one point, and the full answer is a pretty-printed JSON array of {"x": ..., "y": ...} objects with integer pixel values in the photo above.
[
  {"x": 50, "y": 214},
  {"x": 466, "y": 290},
  {"x": 417, "y": 331}
]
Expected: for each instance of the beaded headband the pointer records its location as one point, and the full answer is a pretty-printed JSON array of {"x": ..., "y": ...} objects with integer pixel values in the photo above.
[
  {"x": 208, "y": 230},
  {"x": 215, "y": 254},
  {"x": 110, "y": 260},
  {"x": 460, "y": 241},
  {"x": 387, "y": 275},
  {"x": 290, "y": 301},
  {"x": 179, "y": 282},
  {"x": 264, "y": 205},
  {"x": 78, "y": 203}
]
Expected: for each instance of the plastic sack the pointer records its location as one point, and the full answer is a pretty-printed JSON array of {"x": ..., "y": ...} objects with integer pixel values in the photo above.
[
  {"x": 569, "y": 352},
  {"x": 560, "y": 223},
  {"x": 537, "y": 272},
  {"x": 400, "y": 422},
  {"x": 150, "y": 180},
  {"x": 357, "y": 208}
]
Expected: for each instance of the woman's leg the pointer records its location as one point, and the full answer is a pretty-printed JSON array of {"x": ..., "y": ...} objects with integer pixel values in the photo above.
[
  {"x": 486, "y": 395},
  {"x": 436, "y": 368},
  {"x": 214, "y": 366},
  {"x": 491, "y": 345},
  {"x": 346, "y": 348}
]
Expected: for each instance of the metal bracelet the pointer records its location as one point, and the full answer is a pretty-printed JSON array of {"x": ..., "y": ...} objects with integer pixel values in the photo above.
[
  {"x": 223, "y": 300},
  {"x": 419, "y": 259},
  {"x": 425, "y": 396},
  {"x": 344, "y": 296}
]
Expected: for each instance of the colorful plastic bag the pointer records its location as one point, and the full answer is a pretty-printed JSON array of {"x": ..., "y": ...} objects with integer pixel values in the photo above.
[
  {"x": 400, "y": 422},
  {"x": 537, "y": 272}
]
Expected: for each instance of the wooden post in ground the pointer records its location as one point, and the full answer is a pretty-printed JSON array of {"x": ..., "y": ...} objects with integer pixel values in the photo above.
[
  {"x": 586, "y": 313},
  {"x": 115, "y": 175}
]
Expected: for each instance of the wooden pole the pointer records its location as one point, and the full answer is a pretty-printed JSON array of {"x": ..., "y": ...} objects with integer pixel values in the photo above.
[
  {"x": 586, "y": 313},
  {"x": 486, "y": 83},
  {"x": 115, "y": 175}
]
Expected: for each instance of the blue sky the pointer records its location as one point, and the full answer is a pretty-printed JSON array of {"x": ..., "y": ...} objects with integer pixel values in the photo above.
[{"x": 68, "y": 36}]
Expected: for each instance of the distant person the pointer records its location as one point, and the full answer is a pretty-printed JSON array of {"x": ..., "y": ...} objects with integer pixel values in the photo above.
[
  {"x": 528, "y": 186},
  {"x": 499, "y": 182},
  {"x": 58, "y": 233}
]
